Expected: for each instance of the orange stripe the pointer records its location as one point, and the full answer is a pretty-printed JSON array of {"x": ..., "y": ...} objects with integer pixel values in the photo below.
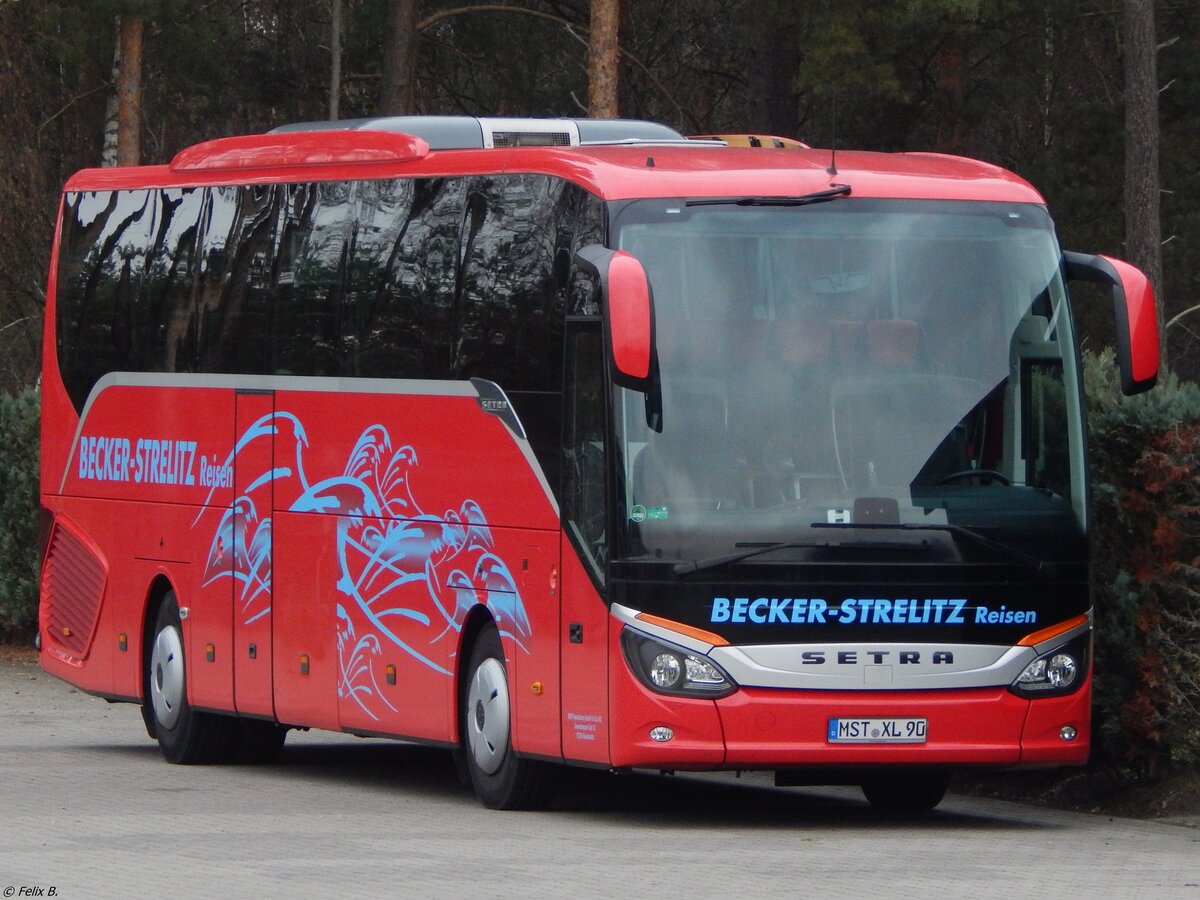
[
  {"x": 1053, "y": 631},
  {"x": 698, "y": 633}
]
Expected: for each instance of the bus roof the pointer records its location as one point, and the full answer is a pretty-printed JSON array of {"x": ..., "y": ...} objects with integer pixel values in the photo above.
[{"x": 651, "y": 164}]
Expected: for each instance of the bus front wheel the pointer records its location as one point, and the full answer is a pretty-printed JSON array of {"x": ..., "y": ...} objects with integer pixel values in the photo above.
[
  {"x": 184, "y": 735},
  {"x": 500, "y": 778}
]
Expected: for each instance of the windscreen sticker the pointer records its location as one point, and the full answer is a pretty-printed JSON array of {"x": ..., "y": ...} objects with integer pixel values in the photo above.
[
  {"x": 641, "y": 513},
  {"x": 863, "y": 611}
]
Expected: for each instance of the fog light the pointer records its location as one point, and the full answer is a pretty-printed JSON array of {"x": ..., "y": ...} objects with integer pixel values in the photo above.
[
  {"x": 665, "y": 671},
  {"x": 661, "y": 733},
  {"x": 1067, "y": 732}
]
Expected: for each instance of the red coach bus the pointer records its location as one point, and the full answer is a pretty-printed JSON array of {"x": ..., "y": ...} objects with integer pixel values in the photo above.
[{"x": 575, "y": 443}]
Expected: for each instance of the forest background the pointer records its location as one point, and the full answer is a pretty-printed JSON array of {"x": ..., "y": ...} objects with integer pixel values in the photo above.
[{"x": 1096, "y": 102}]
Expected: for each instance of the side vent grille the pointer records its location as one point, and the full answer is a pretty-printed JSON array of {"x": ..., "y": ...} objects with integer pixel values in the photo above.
[
  {"x": 531, "y": 139},
  {"x": 72, "y": 588}
]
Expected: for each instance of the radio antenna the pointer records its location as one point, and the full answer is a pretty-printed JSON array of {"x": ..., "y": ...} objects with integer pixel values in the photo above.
[{"x": 832, "y": 170}]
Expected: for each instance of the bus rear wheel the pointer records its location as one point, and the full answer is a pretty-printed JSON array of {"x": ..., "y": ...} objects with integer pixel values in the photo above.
[
  {"x": 500, "y": 778},
  {"x": 907, "y": 791},
  {"x": 185, "y": 735}
]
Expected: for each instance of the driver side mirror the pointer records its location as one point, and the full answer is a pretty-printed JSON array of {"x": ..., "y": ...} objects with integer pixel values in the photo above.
[
  {"x": 1133, "y": 306},
  {"x": 628, "y": 307},
  {"x": 626, "y": 300}
]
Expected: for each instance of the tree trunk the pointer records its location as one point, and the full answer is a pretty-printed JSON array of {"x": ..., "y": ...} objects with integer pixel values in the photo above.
[
  {"x": 129, "y": 93},
  {"x": 1143, "y": 231},
  {"x": 397, "y": 96},
  {"x": 335, "y": 60},
  {"x": 772, "y": 105},
  {"x": 604, "y": 54},
  {"x": 108, "y": 153}
]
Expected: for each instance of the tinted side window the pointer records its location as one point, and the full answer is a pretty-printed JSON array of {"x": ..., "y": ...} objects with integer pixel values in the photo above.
[
  {"x": 402, "y": 270},
  {"x": 310, "y": 278},
  {"x": 236, "y": 279},
  {"x": 516, "y": 254},
  {"x": 165, "y": 327},
  {"x": 102, "y": 257}
]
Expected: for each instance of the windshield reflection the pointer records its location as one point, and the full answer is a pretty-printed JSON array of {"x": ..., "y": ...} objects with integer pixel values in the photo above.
[{"x": 848, "y": 363}]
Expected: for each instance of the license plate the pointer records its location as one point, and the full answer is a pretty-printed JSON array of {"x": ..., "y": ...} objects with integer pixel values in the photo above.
[{"x": 877, "y": 731}]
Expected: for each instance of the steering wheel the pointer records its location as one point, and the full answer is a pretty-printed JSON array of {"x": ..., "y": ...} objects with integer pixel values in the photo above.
[{"x": 985, "y": 476}]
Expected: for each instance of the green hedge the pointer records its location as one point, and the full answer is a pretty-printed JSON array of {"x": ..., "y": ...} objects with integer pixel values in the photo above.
[
  {"x": 1145, "y": 461},
  {"x": 19, "y": 425}
]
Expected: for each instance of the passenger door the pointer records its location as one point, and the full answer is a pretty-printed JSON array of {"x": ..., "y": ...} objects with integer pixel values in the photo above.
[{"x": 253, "y": 548}]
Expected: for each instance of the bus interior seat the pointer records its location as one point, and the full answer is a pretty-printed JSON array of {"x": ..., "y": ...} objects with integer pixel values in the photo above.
[
  {"x": 691, "y": 463},
  {"x": 892, "y": 343}
]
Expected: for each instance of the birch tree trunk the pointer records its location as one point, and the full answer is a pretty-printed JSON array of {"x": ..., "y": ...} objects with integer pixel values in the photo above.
[{"x": 108, "y": 152}]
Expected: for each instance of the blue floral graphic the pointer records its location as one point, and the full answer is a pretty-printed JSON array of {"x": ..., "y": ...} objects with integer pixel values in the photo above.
[{"x": 408, "y": 577}]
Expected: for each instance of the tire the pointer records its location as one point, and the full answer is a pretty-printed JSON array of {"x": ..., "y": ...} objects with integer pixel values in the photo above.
[
  {"x": 500, "y": 778},
  {"x": 907, "y": 791},
  {"x": 185, "y": 735}
]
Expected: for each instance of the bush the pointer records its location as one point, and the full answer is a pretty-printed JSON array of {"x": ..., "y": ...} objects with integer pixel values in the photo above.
[
  {"x": 1145, "y": 458},
  {"x": 19, "y": 424}
]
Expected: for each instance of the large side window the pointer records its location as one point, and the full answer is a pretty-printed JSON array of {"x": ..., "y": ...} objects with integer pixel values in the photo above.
[
  {"x": 306, "y": 322},
  {"x": 236, "y": 279},
  {"x": 516, "y": 257},
  {"x": 102, "y": 258},
  {"x": 166, "y": 322},
  {"x": 402, "y": 267}
]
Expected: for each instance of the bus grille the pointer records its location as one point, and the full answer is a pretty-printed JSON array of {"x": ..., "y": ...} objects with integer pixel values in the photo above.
[{"x": 72, "y": 587}]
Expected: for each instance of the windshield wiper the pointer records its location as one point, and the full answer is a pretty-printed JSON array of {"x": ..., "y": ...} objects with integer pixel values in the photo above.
[
  {"x": 1040, "y": 566},
  {"x": 687, "y": 568},
  {"x": 841, "y": 190}
]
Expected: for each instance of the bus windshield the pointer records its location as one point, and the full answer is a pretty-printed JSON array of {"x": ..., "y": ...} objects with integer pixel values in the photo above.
[{"x": 831, "y": 371}]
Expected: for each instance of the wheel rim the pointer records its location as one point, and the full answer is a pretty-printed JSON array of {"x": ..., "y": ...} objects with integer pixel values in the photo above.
[
  {"x": 166, "y": 677},
  {"x": 488, "y": 715}
]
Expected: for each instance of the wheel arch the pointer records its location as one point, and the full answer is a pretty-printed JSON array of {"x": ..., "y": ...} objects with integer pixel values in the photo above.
[
  {"x": 160, "y": 587},
  {"x": 478, "y": 618}
]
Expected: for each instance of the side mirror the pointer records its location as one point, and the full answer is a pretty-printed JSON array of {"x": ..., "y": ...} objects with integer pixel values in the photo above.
[
  {"x": 1133, "y": 307},
  {"x": 629, "y": 313}
]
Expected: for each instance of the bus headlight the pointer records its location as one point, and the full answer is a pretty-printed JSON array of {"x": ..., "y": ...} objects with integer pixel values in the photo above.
[
  {"x": 668, "y": 669},
  {"x": 1058, "y": 672}
]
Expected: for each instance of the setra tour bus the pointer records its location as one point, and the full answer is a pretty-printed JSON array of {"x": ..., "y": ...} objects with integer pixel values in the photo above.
[{"x": 575, "y": 443}]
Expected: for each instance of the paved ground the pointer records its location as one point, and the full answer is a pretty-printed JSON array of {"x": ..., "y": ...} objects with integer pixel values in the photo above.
[{"x": 88, "y": 809}]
